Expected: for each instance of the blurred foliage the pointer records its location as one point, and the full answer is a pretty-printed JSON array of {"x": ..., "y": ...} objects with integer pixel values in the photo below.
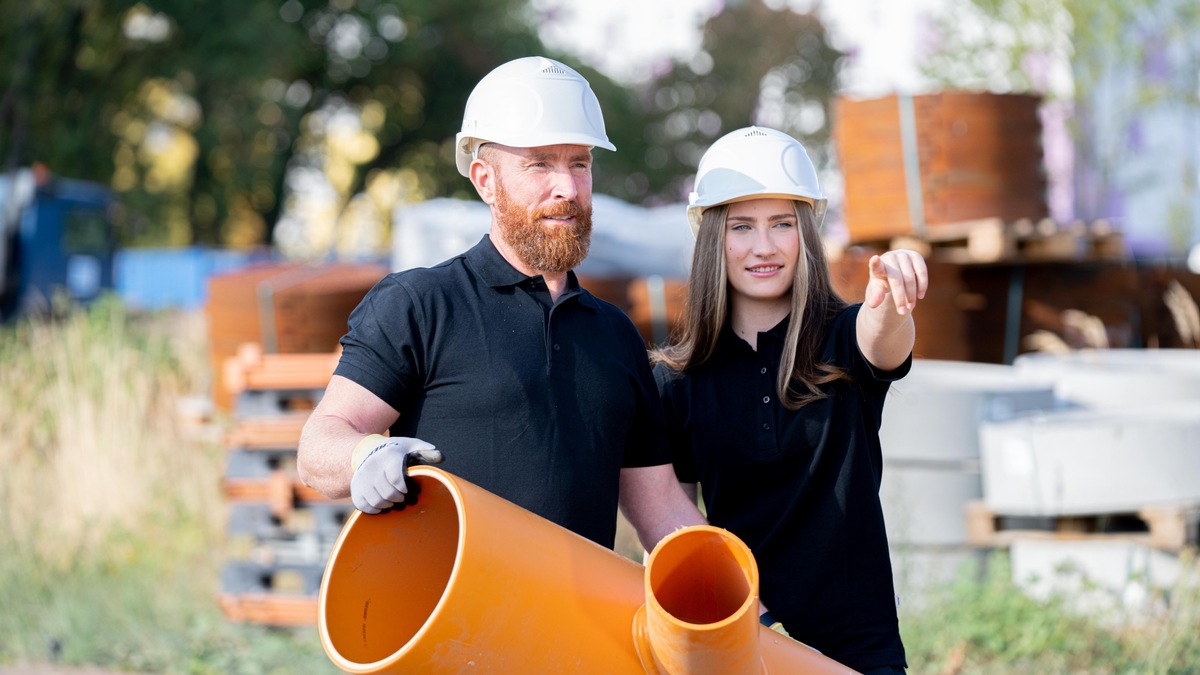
[
  {"x": 115, "y": 91},
  {"x": 984, "y": 622},
  {"x": 997, "y": 45},
  {"x": 1119, "y": 66},
  {"x": 201, "y": 114},
  {"x": 757, "y": 65},
  {"x": 1005, "y": 45}
]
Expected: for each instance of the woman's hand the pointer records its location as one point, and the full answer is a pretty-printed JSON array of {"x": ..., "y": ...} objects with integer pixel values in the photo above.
[{"x": 902, "y": 274}]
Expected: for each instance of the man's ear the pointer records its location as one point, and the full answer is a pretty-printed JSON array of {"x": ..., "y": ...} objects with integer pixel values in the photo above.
[{"x": 483, "y": 177}]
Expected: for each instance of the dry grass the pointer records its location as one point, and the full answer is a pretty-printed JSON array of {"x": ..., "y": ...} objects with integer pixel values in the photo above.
[
  {"x": 111, "y": 517},
  {"x": 90, "y": 440}
]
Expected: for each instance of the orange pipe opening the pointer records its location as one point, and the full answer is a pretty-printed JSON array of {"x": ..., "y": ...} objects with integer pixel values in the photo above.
[{"x": 467, "y": 581}]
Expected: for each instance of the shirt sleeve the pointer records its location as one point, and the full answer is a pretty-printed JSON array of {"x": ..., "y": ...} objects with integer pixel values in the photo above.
[
  {"x": 647, "y": 443},
  {"x": 842, "y": 350},
  {"x": 382, "y": 349},
  {"x": 674, "y": 415}
]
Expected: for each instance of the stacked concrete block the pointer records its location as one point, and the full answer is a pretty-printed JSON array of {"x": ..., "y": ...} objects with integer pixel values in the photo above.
[{"x": 930, "y": 445}]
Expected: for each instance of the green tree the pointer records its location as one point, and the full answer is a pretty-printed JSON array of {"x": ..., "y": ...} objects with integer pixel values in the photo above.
[{"x": 196, "y": 112}]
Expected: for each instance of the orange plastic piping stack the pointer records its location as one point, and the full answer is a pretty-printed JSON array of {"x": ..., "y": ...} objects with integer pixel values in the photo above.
[{"x": 465, "y": 581}]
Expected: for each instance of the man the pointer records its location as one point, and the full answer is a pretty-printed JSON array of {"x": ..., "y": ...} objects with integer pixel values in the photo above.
[{"x": 523, "y": 382}]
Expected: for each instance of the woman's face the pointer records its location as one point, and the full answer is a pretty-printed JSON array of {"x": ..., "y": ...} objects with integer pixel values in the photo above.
[{"x": 762, "y": 247}]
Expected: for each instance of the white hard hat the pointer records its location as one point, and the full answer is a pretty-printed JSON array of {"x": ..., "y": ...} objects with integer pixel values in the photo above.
[
  {"x": 751, "y": 163},
  {"x": 530, "y": 102}
]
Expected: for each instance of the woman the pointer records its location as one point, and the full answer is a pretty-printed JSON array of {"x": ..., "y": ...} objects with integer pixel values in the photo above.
[{"x": 774, "y": 391}]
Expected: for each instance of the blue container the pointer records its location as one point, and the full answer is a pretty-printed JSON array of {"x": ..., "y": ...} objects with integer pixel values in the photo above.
[{"x": 162, "y": 278}]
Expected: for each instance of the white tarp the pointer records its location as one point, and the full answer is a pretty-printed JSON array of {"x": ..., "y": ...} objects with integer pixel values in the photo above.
[{"x": 627, "y": 240}]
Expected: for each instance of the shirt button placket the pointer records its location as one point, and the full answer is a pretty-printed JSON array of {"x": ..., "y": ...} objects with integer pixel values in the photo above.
[{"x": 765, "y": 412}]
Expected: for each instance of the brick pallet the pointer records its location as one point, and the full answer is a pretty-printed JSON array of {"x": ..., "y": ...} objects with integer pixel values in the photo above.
[
  {"x": 285, "y": 308},
  {"x": 913, "y": 164}
]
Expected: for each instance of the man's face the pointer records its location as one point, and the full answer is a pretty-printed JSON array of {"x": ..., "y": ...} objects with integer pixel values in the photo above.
[{"x": 544, "y": 204}]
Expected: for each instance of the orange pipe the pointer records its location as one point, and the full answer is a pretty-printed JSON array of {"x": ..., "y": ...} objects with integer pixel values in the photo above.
[{"x": 465, "y": 581}]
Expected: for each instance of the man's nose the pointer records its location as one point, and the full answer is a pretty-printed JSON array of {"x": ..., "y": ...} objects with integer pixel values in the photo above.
[{"x": 563, "y": 186}]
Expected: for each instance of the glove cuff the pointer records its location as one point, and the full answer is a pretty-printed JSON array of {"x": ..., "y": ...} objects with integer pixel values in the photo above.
[{"x": 364, "y": 448}]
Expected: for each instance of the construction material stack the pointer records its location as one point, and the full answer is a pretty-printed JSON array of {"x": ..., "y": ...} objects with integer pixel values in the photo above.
[
  {"x": 275, "y": 332},
  {"x": 1097, "y": 499},
  {"x": 915, "y": 165},
  {"x": 286, "y": 308}
]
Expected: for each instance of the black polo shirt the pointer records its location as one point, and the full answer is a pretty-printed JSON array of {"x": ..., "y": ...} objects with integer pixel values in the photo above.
[
  {"x": 801, "y": 487},
  {"x": 541, "y": 403}
]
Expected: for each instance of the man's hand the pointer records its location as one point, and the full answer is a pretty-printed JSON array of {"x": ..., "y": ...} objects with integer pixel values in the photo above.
[{"x": 381, "y": 480}]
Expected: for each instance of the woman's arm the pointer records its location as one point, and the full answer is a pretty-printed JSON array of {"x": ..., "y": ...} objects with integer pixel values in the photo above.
[{"x": 886, "y": 332}]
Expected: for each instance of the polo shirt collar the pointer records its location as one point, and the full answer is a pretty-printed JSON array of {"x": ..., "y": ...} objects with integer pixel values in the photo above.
[
  {"x": 769, "y": 341},
  {"x": 497, "y": 272}
]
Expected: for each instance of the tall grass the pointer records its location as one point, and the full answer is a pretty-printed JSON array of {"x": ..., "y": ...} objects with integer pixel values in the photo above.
[
  {"x": 984, "y": 623},
  {"x": 89, "y": 440},
  {"x": 111, "y": 516}
]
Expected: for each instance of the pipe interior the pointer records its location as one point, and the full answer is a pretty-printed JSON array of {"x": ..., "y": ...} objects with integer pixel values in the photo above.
[
  {"x": 700, "y": 578},
  {"x": 389, "y": 574}
]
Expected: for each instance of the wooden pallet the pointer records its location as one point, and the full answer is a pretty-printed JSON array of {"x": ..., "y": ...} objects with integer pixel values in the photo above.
[
  {"x": 271, "y": 594},
  {"x": 994, "y": 240},
  {"x": 1165, "y": 526},
  {"x": 267, "y": 433},
  {"x": 269, "y": 609},
  {"x": 282, "y": 489},
  {"x": 252, "y": 369}
]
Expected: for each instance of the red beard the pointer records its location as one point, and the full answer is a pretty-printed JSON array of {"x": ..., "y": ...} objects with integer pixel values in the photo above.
[{"x": 545, "y": 249}]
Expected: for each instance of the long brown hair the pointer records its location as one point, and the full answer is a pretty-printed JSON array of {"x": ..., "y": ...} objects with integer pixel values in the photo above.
[{"x": 707, "y": 309}]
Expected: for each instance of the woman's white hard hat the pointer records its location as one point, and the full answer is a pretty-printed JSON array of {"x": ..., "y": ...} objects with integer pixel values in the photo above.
[
  {"x": 527, "y": 103},
  {"x": 754, "y": 163}
]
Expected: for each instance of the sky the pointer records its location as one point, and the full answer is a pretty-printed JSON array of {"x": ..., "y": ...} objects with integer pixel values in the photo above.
[{"x": 625, "y": 38}]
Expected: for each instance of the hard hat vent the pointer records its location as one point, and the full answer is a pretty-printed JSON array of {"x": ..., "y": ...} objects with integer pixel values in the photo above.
[
  {"x": 755, "y": 132},
  {"x": 554, "y": 70}
]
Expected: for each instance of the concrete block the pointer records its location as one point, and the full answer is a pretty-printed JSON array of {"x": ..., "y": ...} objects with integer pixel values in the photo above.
[
  {"x": 1097, "y": 576},
  {"x": 1114, "y": 378},
  {"x": 1078, "y": 462}
]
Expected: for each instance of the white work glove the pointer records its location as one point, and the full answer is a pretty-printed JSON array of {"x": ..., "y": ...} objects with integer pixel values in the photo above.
[{"x": 381, "y": 480}]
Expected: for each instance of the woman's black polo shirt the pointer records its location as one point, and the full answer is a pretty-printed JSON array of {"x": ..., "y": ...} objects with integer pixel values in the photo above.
[
  {"x": 541, "y": 404},
  {"x": 800, "y": 488}
]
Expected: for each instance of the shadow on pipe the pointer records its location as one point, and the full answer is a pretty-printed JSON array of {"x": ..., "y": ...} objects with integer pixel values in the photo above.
[{"x": 468, "y": 582}]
